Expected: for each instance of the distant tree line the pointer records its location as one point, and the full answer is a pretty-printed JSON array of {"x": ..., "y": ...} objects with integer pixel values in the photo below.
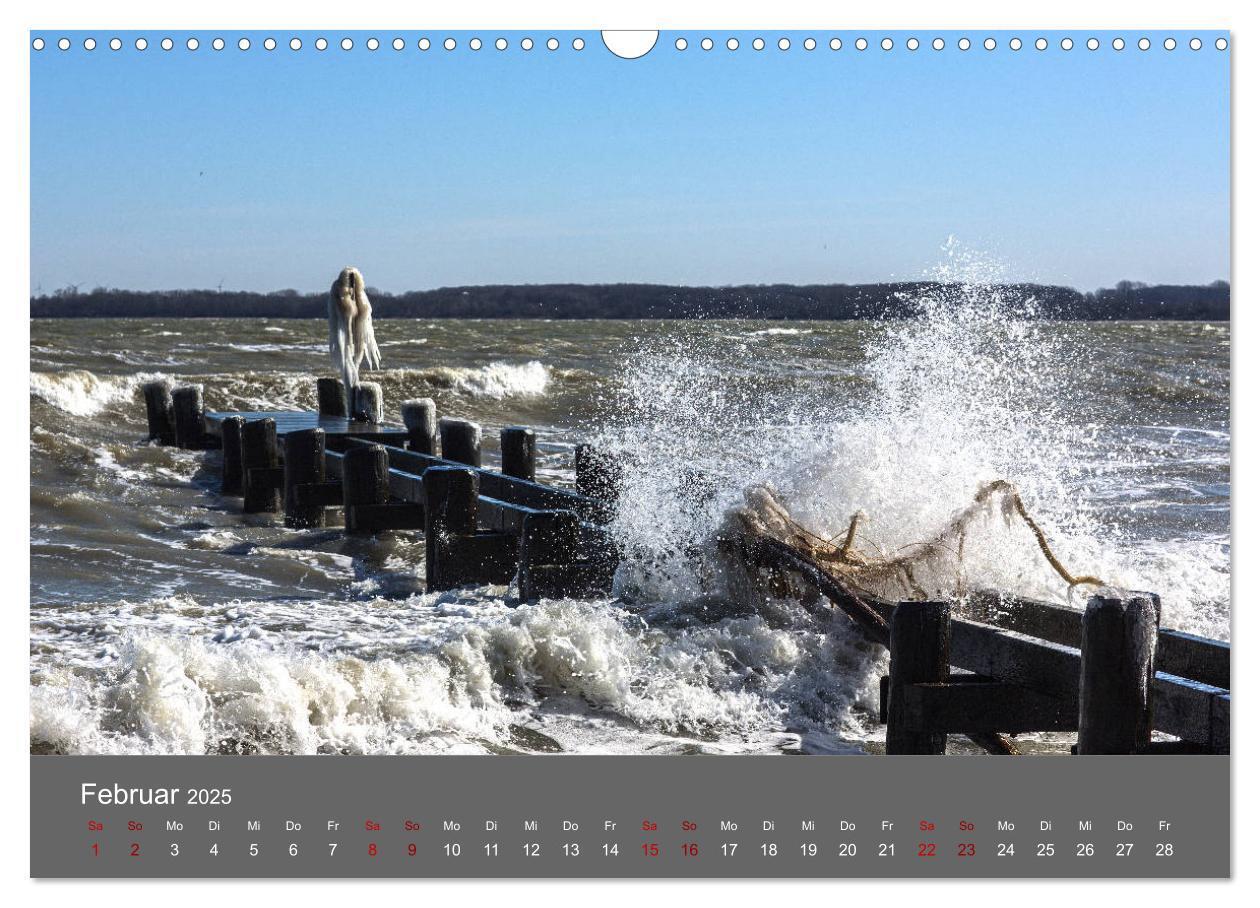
[{"x": 1127, "y": 300}]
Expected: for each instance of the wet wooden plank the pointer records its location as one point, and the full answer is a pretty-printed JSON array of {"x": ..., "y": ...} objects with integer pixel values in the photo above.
[{"x": 297, "y": 420}]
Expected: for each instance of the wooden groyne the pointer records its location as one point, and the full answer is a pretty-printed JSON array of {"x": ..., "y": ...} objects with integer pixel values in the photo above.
[
  {"x": 986, "y": 667},
  {"x": 480, "y": 525}
]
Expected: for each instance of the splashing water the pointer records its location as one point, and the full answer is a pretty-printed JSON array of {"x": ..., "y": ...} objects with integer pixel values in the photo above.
[{"x": 977, "y": 386}]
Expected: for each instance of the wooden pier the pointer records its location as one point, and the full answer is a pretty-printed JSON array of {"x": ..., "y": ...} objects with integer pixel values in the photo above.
[{"x": 986, "y": 667}]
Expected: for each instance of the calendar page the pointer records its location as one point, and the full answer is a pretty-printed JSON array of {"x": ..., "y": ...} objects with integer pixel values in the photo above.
[{"x": 707, "y": 453}]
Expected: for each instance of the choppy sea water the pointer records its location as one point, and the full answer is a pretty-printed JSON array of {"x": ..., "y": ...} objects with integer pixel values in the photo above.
[{"x": 162, "y": 621}]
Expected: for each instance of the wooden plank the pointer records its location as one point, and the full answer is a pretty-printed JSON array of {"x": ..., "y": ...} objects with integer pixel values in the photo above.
[
  {"x": 1008, "y": 656},
  {"x": 493, "y": 484},
  {"x": 297, "y": 420},
  {"x": 1178, "y": 653},
  {"x": 320, "y": 494},
  {"x": 396, "y": 515},
  {"x": 986, "y": 706},
  {"x": 1193, "y": 657},
  {"x": 1190, "y": 709}
]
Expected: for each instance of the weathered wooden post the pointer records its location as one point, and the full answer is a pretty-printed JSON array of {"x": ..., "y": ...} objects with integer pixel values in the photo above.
[
  {"x": 1118, "y": 639},
  {"x": 190, "y": 427},
  {"x": 369, "y": 402},
  {"x": 597, "y": 472},
  {"x": 303, "y": 465},
  {"x": 364, "y": 480},
  {"x": 461, "y": 441},
  {"x": 233, "y": 479},
  {"x": 519, "y": 450},
  {"x": 918, "y": 654},
  {"x": 450, "y": 511},
  {"x": 549, "y": 548},
  {"x": 260, "y": 458},
  {"x": 420, "y": 418},
  {"x": 159, "y": 407},
  {"x": 332, "y": 397}
]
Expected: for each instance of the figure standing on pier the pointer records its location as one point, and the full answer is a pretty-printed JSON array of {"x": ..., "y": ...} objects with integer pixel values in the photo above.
[{"x": 351, "y": 339}]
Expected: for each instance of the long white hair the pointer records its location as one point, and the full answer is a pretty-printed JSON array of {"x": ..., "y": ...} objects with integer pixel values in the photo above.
[{"x": 351, "y": 339}]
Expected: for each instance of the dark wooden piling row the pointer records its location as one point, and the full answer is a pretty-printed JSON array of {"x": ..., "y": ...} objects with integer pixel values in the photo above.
[
  {"x": 420, "y": 418},
  {"x": 233, "y": 479},
  {"x": 461, "y": 441},
  {"x": 369, "y": 402},
  {"x": 260, "y": 462},
  {"x": 303, "y": 469},
  {"x": 159, "y": 407},
  {"x": 519, "y": 450},
  {"x": 331, "y": 393},
  {"x": 919, "y": 654},
  {"x": 190, "y": 427},
  {"x": 1117, "y": 675}
]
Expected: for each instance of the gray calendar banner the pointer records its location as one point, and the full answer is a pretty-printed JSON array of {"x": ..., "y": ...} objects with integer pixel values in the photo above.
[{"x": 627, "y": 817}]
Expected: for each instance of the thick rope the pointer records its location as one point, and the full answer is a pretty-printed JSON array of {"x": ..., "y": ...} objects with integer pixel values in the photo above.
[{"x": 866, "y": 572}]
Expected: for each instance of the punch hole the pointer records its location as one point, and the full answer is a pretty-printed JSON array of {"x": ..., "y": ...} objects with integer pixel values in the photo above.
[
  {"x": 810, "y": 43},
  {"x": 192, "y": 44},
  {"x": 706, "y": 44},
  {"x": 475, "y": 44},
  {"x": 990, "y": 44},
  {"x": 116, "y": 43},
  {"x": 38, "y": 44},
  {"x": 167, "y": 44},
  {"x": 449, "y": 44},
  {"x": 501, "y": 44},
  {"x": 1221, "y": 44},
  {"x": 1144, "y": 44},
  {"x": 1118, "y": 44},
  {"x": 1016, "y": 44},
  {"x": 321, "y": 44},
  {"x": 912, "y": 44},
  {"x": 1170, "y": 44},
  {"x": 141, "y": 44},
  {"x": 1041, "y": 44},
  {"x": 886, "y": 44},
  {"x": 578, "y": 43},
  {"x": 217, "y": 44},
  {"x": 680, "y": 44},
  {"x": 553, "y": 44},
  {"x": 784, "y": 44},
  {"x": 938, "y": 44},
  {"x": 835, "y": 44},
  {"x": 346, "y": 44},
  {"x": 63, "y": 44},
  {"x": 527, "y": 44},
  {"x": 89, "y": 44},
  {"x": 1196, "y": 44},
  {"x": 1066, "y": 44},
  {"x": 632, "y": 44},
  {"x": 759, "y": 44},
  {"x": 1092, "y": 44},
  {"x": 860, "y": 44},
  {"x": 295, "y": 44},
  {"x": 269, "y": 44},
  {"x": 732, "y": 44},
  {"x": 399, "y": 44},
  {"x": 373, "y": 44},
  {"x": 424, "y": 44},
  {"x": 964, "y": 43}
]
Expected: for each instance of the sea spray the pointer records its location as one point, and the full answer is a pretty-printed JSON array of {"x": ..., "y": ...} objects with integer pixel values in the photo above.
[{"x": 977, "y": 386}]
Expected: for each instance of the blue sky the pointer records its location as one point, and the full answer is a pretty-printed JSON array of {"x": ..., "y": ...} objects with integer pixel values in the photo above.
[{"x": 266, "y": 170}]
